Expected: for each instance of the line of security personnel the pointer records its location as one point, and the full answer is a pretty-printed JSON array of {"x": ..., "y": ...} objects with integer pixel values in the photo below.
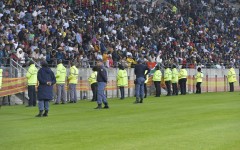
[{"x": 171, "y": 78}]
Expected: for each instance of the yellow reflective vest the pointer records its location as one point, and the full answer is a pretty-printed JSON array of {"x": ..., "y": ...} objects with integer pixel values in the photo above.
[
  {"x": 167, "y": 75},
  {"x": 183, "y": 74},
  {"x": 73, "y": 77},
  {"x": 93, "y": 77},
  {"x": 61, "y": 74},
  {"x": 231, "y": 75},
  {"x": 1, "y": 71},
  {"x": 157, "y": 76},
  {"x": 32, "y": 75},
  {"x": 122, "y": 78},
  {"x": 174, "y": 75},
  {"x": 199, "y": 77}
]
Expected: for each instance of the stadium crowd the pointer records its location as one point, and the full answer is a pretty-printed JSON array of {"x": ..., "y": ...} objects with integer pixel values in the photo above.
[{"x": 177, "y": 32}]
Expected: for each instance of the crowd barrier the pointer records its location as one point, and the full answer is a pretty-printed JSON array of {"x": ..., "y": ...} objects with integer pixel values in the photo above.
[{"x": 212, "y": 82}]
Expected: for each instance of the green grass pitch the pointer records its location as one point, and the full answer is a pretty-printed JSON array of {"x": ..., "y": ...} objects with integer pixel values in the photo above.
[{"x": 210, "y": 121}]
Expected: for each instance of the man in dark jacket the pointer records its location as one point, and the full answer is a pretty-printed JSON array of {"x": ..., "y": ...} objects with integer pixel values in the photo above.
[
  {"x": 102, "y": 82},
  {"x": 139, "y": 71},
  {"x": 46, "y": 79}
]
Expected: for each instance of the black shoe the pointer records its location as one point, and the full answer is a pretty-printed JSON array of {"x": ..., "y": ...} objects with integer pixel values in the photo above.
[
  {"x": 106, "y": 107},
  {"x": 45, "y": 113},
  {"x": 63, "y": 103},
  {"x": 71, "y": 102},
  {"x": 56, "y": 103},
  {"x": 145, "y": 96},
  {"x": 40, "y": 114},
  {"x": 136, "y": 102},
  {"x": 99, "y": 106},
  {"x": 141, "y": 101}
]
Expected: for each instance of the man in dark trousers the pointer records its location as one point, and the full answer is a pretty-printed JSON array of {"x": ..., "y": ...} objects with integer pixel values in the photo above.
[
  {"x": 139, "y": 71},
  {"x": 102, "y": 82},
  {"x": 46, "y": 79}
]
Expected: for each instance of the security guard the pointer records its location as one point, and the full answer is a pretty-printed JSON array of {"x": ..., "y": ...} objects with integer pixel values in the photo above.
[
  {"x": 93, "y": 82},
  {"x": 157, "y": 76},
  {"x": 61, "y": 78},
  {"x": 122, "y": 80},
  {"x": 146, "y": 76},
  {"x": 231, "y": 78},
  {"x": 139, "y": 71},
  {"x": 167, "y": 79},
  {"x": 32, "y": 82},
  {"x": 174, "y": 80},
  {"x": 102, "y": 80},
  {"x": 73, "y": 80},
  {"x": 199, "y": 78},
  {"x": 183, "y": 80}
]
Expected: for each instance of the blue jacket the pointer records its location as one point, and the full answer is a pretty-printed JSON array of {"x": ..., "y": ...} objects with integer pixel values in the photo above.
[
  {"x": 140, "y": 70},
  {"x": 102, "y": 74},
  {"x": 45, "y": 92}
]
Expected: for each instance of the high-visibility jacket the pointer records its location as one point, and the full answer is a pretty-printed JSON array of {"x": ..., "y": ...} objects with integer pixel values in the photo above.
[
  {"x": 157, "y": 76},
  {"x": 199, "y": 77},
  {"x": 61, "y": 74},
  {"x": 231, "y": 75},
  {"x": 167, "y": 75},
  {"x": 174, "y": 75},
  {"x": 183, "y": 74},
  {"x": 1, "y": 71},
  {"x": 73, "y": 77},
  {"x": 146, "y": 76},
  {"x": 93, "y": 77},
  {"x": 122, "y": 78},
  {"x": 32, "y": 75}
]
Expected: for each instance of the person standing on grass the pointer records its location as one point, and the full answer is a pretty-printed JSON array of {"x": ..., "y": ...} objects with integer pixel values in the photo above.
[
  {"x": 122, "y": 80},
  {"x": 174, "y": 80},
  {"x": 157, "y": 76},
  {"x": 61, "y": 79},
  {"x": 72, "y": 81},
  {"x": 139, "y": 71},
  {"x": 231, "y": 78},
  {"x": 93, "y": 82},
  {"x": 102, "y": 82},
  {"x": 199, "y": 78},
  {"x": 167, "y": 79},
  {"x": 46, "y": 79},
  {"x": 32, "y": 82},
  {"x": 183, "y": 79}
]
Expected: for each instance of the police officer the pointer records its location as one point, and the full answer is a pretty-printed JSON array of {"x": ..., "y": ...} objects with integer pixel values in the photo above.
[
  {"x": 157, "y": 76},
  {"x": 231, "y": 78},
  {"x": 174, "y": 80},
  {"x": 61, "y": 78},
  {"x": 46, "y": 79},
  {"x": 122, "y": 80},
  {"x": 199, "y": 77},
  {"x": 146, "y": 77},
  {"x": 139, "y": 71},
  {"x": 183, "y": 79},
  {"x": 93, "y": 82},
  {"x": 167, "y": 79},
  {"x": 73, "y": 80},
  {"x": 32, "y": 82},
  {"x": 102, "y": 82}
]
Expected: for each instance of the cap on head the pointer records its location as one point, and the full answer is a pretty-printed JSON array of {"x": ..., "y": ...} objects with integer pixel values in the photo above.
[
  {"x": 199, "y": 69},
  {"x": 59, "y": 61}
]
